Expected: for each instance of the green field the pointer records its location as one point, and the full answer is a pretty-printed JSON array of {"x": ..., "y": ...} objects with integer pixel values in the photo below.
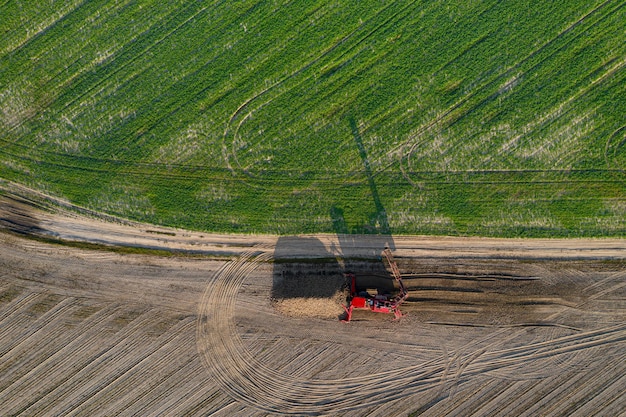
[{"x": 426, "y": 117}]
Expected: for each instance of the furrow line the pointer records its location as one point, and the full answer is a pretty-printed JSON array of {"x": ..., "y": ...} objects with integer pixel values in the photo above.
[
  {"x": 504, "y": 396},
  {"x": 615, "y": 405},
  {"x": 303, "y": 365},
  {"x": 33, "y": 330},
  {"x": 55, "y": 348},
  {"x": 466, "y": 402},
  {"x": 607, "y": 394},
  {"x": 17, "y": 305},
  {"x": 529, "y": 393},
  {"x": 69, "y": 389},
  {"x": 581, "y": 394},
  {"x": 169, "y": 402},
  {"x": 158, "y": 355},
  {"x": 545, "y": 398},
  {"x": 85, "y": 347},
  {"x": 200, "y": 396},
  {"x": 173, "y": 385},
  {"x": 576, "y": 339}
]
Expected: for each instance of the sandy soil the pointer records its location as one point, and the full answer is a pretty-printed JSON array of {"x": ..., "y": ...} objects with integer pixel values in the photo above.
[{"x": 249, "y": 324}]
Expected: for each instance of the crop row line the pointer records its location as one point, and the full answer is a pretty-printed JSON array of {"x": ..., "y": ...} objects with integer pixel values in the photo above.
[
  {"x": 68, "y": 10},
  {"x": 134, "y": 56},
  {"x": 450, "y": 116},
  {"x": 320, "y": 177},
  {"x": 302, "y": 70},
  {"x": 28, "y": 155}
]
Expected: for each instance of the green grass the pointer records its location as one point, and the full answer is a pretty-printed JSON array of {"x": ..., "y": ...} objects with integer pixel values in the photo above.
[{"x": 461, "y": 118}]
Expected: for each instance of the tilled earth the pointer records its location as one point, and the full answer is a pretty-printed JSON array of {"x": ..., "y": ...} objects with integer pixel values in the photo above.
[{"x": 248, "y": 325}]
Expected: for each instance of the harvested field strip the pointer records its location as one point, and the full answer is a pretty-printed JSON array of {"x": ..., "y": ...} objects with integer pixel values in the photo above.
[
  {"x": 81, "y": 341},
  {"x": 16, "y": 305},
  {"x": 481, "y": 394},
  {"x": 535, "y": 392},
  {"x": 521, "y": 389},
  {"x": 36, "y": 338},
  {"x": 16, "y": 320},
  {"x": 202, "y": 399},
  {"x": 554, "y": 402},
  {"x": 526, "y": 397},
  {"x": 606, "y": 402},
  {"x": 62, "y": 367},
  {"x": 247, "y": 378},
  {"x": 592, "y": 388},
  {"x": 508, "y": 390},
  {"x": 77, "y": 364},
  {"x": 131, "y": 384}
]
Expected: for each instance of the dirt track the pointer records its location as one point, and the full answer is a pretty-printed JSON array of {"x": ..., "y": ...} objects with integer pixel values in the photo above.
[{"x": 492, "y": 327}]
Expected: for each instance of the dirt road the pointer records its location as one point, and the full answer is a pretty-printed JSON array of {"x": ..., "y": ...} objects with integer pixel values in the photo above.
[
  {"x": 491, "y": 327},
  {"x": 36, "y": 213}
]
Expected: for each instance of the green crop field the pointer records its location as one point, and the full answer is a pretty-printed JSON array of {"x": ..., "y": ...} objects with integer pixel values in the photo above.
[{"x": 425, "y": 117}]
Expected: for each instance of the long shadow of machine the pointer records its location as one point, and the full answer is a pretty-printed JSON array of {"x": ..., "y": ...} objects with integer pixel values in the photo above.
[
  {"x": 353, "y": 265},
  {"x": 304, "y": 268}
]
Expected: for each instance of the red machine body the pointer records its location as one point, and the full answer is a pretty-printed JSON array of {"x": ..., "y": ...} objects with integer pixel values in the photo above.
[{"x": 379, "y": 303}]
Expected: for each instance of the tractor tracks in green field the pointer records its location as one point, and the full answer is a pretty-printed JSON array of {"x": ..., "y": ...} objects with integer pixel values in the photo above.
[
  {"x": 490, "y": 88},
  {"x": 351, "y": 41}
]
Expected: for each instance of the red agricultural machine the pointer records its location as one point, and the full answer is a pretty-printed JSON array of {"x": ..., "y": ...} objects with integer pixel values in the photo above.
[{"x": 379, "y": 303}]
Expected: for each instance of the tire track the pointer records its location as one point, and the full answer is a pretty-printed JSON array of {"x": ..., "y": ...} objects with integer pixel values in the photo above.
[
  {"x": 257, "y": 385},
  {"x": 457, "y": 111},
  {"x": 565, "y": 356},
  {"x": 616, "y": 147},
  {"x": 237, "y": 114},
  {"x": 254, "y": 382}
]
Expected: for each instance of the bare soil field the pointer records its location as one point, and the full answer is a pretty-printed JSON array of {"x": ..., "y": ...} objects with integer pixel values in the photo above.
[{"x": 248, "y": 325}]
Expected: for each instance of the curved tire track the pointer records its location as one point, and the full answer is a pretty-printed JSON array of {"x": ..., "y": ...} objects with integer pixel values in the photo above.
[
  {"x": 259, "y": 386},
  {"x": 239, "y": 116},
  {"x": 252, "y": 382}
]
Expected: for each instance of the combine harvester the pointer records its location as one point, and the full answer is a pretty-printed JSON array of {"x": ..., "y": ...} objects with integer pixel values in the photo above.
[{"x": 379, "y": 303}]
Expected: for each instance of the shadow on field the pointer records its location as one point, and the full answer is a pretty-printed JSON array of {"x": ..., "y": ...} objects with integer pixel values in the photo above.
[
  {"x": 17, "y": 215},
  {"x": 309, "y": 278},
  {"x": 306, "y": 269},
  {"x": 320, "y": 277}
]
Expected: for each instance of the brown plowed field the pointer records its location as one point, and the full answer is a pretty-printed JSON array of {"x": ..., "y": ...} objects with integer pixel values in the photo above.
[{"x": 248, "y": 324}]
